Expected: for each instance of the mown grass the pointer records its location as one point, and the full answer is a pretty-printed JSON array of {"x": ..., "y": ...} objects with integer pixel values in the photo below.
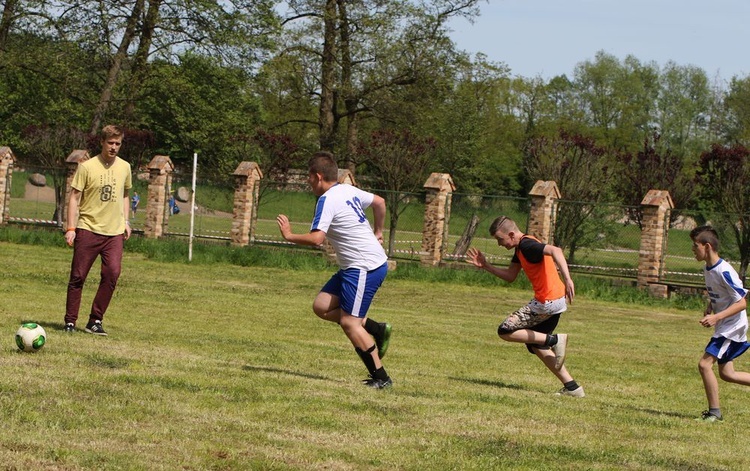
[{"x": 220, "y": 365}]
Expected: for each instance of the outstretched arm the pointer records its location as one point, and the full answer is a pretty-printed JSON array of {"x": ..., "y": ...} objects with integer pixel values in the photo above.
[
  {"x": 313, "y": 238},
  {"x": 477, "y": 258}
]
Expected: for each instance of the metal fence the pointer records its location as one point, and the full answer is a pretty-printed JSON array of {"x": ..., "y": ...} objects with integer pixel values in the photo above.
[{"x": 600, "y": 239}]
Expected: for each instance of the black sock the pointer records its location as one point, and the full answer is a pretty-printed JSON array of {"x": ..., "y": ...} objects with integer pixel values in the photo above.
[
  {"x": 373, "y": 328},
  {"x": 571, "y": 385},
  {"x": 366, "y": 357},
  {"x": 551, "y": 340}
]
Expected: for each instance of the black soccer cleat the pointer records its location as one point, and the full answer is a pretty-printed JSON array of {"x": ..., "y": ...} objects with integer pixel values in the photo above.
[{"x": 378, "y": 383}]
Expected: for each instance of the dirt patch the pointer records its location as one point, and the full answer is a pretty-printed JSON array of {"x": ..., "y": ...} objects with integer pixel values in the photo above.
[{"x": 45, "y": 194}]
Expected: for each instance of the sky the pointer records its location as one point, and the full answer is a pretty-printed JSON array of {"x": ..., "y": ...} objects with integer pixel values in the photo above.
[{"x": 546, "y": 38}]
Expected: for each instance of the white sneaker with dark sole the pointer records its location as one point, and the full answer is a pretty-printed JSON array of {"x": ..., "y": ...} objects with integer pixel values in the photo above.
[
  {"x": 559, "y": 350},
  {"x": 577, "y": 392}
]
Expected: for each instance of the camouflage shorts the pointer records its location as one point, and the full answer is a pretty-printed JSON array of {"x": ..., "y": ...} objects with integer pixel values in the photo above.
[
  {"x": 523, "y": 318},
  {"x": 533, "y": 314}
]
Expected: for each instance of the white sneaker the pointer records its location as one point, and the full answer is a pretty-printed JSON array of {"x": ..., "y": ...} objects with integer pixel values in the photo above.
[
  {"x": 578, "y": 392},
  {"x": 559, "y": 349}
]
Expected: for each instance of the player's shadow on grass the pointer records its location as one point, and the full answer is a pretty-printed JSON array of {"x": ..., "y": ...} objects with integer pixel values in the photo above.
[
  {"x": 678, "y": 415},
  {"x": 269, "y": 369},
  {"x": 51, "y": 325},
  {"x": 484, "y": 382}
]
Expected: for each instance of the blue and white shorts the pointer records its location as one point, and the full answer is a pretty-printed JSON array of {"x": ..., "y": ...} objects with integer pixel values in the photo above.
[
  {"x": 355, "y": 288},
  {"x": 725, "y": 350}
]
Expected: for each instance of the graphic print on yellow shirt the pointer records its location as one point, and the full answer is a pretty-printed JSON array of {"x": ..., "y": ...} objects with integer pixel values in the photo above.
[{"x": 102, "y": 190}]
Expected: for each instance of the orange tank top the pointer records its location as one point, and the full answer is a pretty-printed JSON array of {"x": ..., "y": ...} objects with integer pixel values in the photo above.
[{"x": 543, "y": 275}]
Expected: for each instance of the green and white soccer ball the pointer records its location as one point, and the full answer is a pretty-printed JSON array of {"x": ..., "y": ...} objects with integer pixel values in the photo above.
[{"x": 31, "y": 337}]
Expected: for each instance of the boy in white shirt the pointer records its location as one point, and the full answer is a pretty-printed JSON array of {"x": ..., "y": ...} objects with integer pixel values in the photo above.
[
  {"x": 346, "y": 297},
  {"x": 726, "y": 313}
]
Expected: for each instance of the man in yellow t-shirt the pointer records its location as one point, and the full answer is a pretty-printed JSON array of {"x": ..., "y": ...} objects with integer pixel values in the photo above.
[{"x": 98, "y": 226}]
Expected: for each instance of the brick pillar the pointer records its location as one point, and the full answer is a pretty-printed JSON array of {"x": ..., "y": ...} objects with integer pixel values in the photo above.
[
  {"x": 159, "y": 185},
  {"x": 75, "y": 158},
  {"x": 437, "y": 213},
  {"x": 542, "y": 213},
  {"x": 247, "y": 178},
  {"x": 7, "y": 160},
  {"x": 656, "y": 207}
]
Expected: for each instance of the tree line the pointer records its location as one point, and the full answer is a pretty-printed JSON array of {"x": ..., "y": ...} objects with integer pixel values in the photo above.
[{"x": 379, "y": 83}]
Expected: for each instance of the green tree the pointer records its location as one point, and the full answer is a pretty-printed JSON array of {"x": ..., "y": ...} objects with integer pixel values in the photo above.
[
  {"x": 737, "y": 108},
  {"x": 198, "y": 104},
  {"x": 583, "y": 173},
  {"x": 478, "y": 137},
  {"x": 44, "y": 83},
  {"x": 398, "y": 160},
  {"x": 652, "y": 167},
  {"x": 683, "y": 110},
  {"x": 363, "y": 50},
  {"x": 619, "y": 99},
  {"x": 724, "y": 191}
]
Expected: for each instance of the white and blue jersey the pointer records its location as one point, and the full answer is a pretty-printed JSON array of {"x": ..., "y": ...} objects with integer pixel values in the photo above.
[
  {"x": 340, "y": 213},
  {"x": 724, "y": 289}
]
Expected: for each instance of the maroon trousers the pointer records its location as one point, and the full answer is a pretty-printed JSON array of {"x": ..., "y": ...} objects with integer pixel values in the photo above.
[{"x": 87, "y": 247}]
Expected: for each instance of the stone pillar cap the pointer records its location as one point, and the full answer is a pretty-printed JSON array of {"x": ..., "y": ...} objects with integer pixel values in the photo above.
[
  {"x": 659, "y": 198},
  {"x": 6, "y": 153},
  {"x": 440, "y": 181},
  {"x": 162, "y": 163},
  {"x": 545, "y": 188},
  {"x": 78, "y": 156},
  {"x": 246, "y": 169},
  {"x": 346, "y": 176}
]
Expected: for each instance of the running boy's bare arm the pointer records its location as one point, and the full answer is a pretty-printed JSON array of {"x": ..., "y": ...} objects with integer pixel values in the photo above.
[
  {"x": 562, "y": 265},
  {"x": 477, "y": 258}
]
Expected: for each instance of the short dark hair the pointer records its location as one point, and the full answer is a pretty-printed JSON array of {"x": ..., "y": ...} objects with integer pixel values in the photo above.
[
  {"x": 324, "y": 163},
  {"x": 706, "y": 235},
  {"x": 502, "y": 222}
]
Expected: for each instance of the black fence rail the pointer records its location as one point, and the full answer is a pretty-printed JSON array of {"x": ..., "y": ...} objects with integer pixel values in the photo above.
[{"x": 600, "y": 239}]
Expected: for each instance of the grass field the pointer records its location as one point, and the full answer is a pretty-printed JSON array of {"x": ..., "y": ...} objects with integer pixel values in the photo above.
[{"x": 224, "y": 367}]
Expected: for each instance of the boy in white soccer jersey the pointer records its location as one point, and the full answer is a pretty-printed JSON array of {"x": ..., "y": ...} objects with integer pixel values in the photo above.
[
  {"x": 346, "y": 297},
  {"x": 726, "y": 313}
]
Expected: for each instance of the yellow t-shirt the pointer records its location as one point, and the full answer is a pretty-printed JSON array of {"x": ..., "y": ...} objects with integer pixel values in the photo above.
[{"x": 102, "y": 192}]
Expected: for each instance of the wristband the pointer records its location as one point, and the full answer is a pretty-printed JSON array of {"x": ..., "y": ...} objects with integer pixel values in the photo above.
[{"x": 70, "y": 229}]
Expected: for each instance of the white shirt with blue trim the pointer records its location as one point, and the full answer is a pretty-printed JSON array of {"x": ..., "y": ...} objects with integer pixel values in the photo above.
[
  {"x": 340, "y": 213},
  {"x": 724, "y": 289}
]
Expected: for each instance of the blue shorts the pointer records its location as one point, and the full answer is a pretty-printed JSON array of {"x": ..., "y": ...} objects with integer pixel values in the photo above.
[
  {"x": 355, "y": 288},
  {"x": 725, "y": 350}
]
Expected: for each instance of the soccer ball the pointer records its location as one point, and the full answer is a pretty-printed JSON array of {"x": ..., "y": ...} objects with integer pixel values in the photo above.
[{"x": 31, "y": 337}]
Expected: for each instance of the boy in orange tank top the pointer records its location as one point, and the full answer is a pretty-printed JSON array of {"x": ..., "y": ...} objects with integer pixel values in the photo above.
[{"x": 534, "y": 323}]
